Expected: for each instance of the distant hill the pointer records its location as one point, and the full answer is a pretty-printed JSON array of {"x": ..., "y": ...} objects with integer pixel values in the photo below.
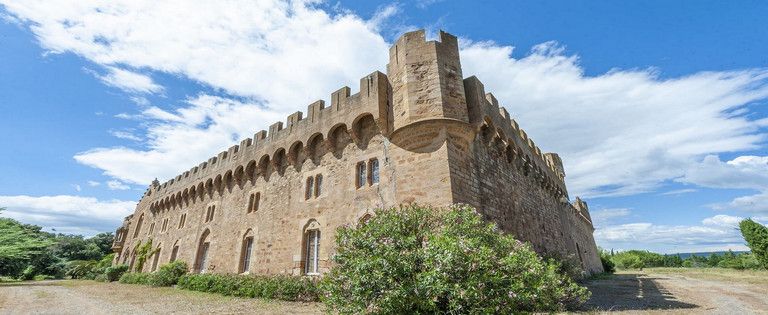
[{"x": 706, "y": 254}]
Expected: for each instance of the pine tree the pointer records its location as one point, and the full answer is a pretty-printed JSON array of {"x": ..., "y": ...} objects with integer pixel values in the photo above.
[{"x": 756, "y": 236}]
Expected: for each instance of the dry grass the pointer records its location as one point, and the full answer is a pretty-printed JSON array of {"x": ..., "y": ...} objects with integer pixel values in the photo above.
[{"x": 719, "y": 274}]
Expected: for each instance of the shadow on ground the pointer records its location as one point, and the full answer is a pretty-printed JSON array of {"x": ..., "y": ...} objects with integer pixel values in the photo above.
[{"x": 631, "y": 292}]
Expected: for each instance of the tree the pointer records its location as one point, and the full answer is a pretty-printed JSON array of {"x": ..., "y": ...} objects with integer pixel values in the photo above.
[
  {"x": 756, "y": 236},
  {"x": 19, "y": 244},
  {"x": 416, "y": 260}
]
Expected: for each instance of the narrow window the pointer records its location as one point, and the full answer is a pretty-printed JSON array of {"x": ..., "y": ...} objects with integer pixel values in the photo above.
[
  {"x": 250, "y": 203},
  {"x": 318, "y": 185},
  {"x": 174, "y": 252},
  {"x": 213, "y": 212},
  {"x": 245, "y": 262},
  {"x": 182, "y": 220},
  {"x": 373, "y": 168},
  {"x": 151, "y": 228},
  {"x": 361, "y": 174},
  {"x": 156, "y": 259},
  {"x": 256, "y": 202},
  {"x": 310, "y": 188},
  {"x": 203, "y": 260},
  {"x": 313, "y": 248},
  {"x": 165, "y": 225},
  {"x": 138, "y": 226}
]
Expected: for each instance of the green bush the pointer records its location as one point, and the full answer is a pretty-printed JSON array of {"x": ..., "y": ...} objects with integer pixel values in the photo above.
[
  {"x": 608, "y": 265},
  {"x": 115, "y": 272},
  {"x": 101, "y": 278},
  {"x": 29, "y": 273},
  {"x": 44, "y": 277},
  {"x": 756, "y": 236},
  {"x": 169, "y": 274},
  {"x": 136, "y": 278},
  {"x": 423, "y": 260},
  {"x": 285, "y": 288}
]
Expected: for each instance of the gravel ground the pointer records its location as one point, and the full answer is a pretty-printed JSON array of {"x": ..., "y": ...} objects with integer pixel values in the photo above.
[
  {"x": 678, "y": 293},
  {"x": 649, "y": 292},
  {"x": 88, "y": 297}
]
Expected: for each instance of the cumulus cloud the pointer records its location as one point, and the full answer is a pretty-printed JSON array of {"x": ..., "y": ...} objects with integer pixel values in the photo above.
[
  {"x": 620, "y": 133},
  {"x": 714, "y": 234},
  {"x": 129, "y": 81},
  {"x": 117, "y": 185},
  {"x": 288, "y": 53},
  {"x": 181, "y": 139},
  {"x": 603, "y": 216},
  {"x": 743, "y": 172},
  {"x": 625, "y": 131},
  {"x": 68, "y": 214}
]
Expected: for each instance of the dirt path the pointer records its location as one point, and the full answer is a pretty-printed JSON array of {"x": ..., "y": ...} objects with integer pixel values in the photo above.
[
  {"x": 652, "y": 293},
  {"x": 87, "y": 297}
]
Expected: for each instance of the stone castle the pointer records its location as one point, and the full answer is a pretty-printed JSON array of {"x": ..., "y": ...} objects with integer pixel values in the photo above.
[{"x": 421, "y": 133}]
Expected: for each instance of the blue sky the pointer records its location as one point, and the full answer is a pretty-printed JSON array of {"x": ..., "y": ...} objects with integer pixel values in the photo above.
[{"x": 659, "y": 108}]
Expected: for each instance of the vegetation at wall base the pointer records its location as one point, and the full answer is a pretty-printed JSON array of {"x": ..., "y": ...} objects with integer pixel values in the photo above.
[
  {"x": 168, "y": 275},
  {"x": 416, "y": 259},
  {"x": 285, "y": 288}
]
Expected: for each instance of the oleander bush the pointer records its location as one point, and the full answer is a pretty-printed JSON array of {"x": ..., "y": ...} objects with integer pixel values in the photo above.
[
  {"x": 424, "y": 260},
  {"x": 168, "y": 274},
  {"x": 285, "y": 288}
]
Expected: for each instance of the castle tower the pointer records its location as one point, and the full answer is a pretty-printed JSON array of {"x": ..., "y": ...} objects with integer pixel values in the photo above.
[{"x": 426, "y": 79}]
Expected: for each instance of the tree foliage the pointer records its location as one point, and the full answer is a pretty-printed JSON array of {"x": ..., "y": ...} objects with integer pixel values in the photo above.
[
  {"x": 756, "y": 236},
  {"x": 19, "y": 244},
  {"x": 423, "y": 260}
]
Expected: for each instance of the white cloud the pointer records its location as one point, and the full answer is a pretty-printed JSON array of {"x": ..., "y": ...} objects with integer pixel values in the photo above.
[
  {"x": 743, "y": 172},
  {"x": 604, "y": 216},
  {"x": 181, "y": 139},
  {"x": 757, "y": 203},
  {"x": 716, "y": 233},
  {"x": 127, "y": 135},
  {"x": 117, "y": 185},
  {"x": 678, "y": 192},
  {"x": 286, "y": 53},
  {"x": 625, "y": 131},
  {"x": 129, "y": 81},
  {"x": 77, "y": 187},
  {"x": 93, "y": 183},
  {"x": 68, "y": 214},
  {"x": 621, "y": 132}
]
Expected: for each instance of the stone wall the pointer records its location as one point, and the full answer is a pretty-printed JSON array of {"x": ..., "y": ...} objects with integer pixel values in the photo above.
[{"x": 439, "y": 139}]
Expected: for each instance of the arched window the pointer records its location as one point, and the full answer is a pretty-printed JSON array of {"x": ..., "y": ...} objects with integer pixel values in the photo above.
[
  {"x": 210, "y": 213},
  {"x": 156, "y": 259},
  {"x": 311, "y": 248},
  {"x": 318, "y": 185},
  {"x": 310, "y": 188},
  {"x": 151, "y": 228},
  {"x": 182, "y": 220},
  {"x": 138, "y": 226},
  {"x": 201, "y": 261},
  {"x": 361, "y": 175},
  {"x": 373, "y": 171},
  {"x": 174, "y": 252},
  {"x": 246, "y": 251}
]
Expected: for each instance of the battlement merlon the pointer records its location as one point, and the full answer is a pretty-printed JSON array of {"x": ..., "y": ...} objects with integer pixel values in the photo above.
[
  {"x": 583, "y": 209},
  {"x": 346, "y": 110}
]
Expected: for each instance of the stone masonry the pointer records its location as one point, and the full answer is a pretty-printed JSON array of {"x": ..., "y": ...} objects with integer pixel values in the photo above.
[{"x": 421, "y": 133}]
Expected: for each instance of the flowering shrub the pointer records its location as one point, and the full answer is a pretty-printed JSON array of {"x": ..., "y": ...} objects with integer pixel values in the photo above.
[
  {"x": 285, "y": 288},
  {"x": 417, "y": 259}
]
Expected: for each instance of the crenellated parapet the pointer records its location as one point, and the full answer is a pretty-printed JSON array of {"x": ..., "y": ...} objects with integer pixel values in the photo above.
[
  {"x": 281, "y": 144},
  {"x": 494, "y": 122}
]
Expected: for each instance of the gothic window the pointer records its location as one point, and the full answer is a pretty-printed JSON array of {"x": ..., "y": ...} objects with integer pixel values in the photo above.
[
  {"x": 138, "y": 226},
  {"x": 247, "y": 251},
  {"x": 156, "y": 258},
  {"x": 318, "y": 185},
  {"x": 310, "y": 188},
  {"x": 201, "y": 263},
  {"x": 151, "y": 228},
  {"x": 182, "y": 220},
  {"x": 312, "y": 248},
  {"x": 165, "y": 225},
  {"x": 361, "y": 175},
  {"x": 174, "y": 253},
  {"x": 373, "y": 171}
]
